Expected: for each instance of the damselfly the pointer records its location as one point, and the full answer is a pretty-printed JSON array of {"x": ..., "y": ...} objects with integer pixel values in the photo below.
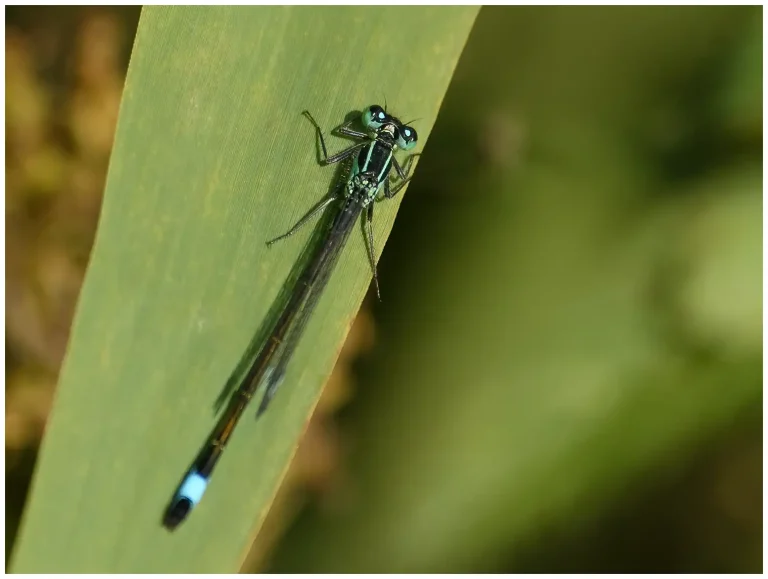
[{"x": 371, "y": 161}]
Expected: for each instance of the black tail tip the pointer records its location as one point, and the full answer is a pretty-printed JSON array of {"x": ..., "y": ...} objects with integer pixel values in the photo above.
[{"x": 176, "y": 513}]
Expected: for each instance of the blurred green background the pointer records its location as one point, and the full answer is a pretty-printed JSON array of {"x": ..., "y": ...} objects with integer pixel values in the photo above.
[{"x": 565, "y": 371}]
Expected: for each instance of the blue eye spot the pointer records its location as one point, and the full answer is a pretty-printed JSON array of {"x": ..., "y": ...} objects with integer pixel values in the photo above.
[
  {"x": 374, "y": 117},
  {"x": 407, "y": 138}
]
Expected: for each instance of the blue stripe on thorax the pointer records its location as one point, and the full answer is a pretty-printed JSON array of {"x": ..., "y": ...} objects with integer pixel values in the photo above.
[
  {"x": 385, "y": 168},
  {"x": 368, "y": 158}
]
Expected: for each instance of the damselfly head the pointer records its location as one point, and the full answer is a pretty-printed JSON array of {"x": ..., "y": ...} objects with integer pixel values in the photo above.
[{"x": 377, "y": 119}]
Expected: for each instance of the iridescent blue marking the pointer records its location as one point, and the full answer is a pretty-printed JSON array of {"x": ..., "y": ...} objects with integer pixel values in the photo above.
[{"x": 193, "y": 487}]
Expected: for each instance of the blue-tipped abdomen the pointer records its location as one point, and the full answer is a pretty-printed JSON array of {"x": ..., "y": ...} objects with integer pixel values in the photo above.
[{"x": 189, "y": 494}]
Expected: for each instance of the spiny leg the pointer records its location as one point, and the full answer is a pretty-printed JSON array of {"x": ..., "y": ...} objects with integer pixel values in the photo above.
[
  {"x": 347, "y": 132},
  {"x": 403, "y": 173},
  {"x": 387, "y": 192},
  {"x": 398, "y": 187},
  {"x": 303, "y": 221},
  {"x": 338, "y": 156},
  {"x": 318, "y": 131},
  {"x": 327, "y": 160},
  {"x": 372, "y": 248},
  {"x": 409, "y": 163}
]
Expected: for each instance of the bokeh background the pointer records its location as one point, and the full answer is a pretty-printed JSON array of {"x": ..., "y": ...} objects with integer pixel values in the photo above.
[{"x": 565, "y": 372}]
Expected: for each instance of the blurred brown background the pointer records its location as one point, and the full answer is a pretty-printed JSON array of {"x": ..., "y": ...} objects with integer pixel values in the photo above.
[{"x": 64, "y": 75}]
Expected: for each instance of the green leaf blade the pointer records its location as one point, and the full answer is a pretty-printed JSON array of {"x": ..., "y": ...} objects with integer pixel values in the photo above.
[{"x": 211, "y": 159}]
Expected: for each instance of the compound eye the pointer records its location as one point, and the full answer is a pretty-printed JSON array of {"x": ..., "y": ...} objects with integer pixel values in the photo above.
[
  {"x": 407, "y": 138},
  {"x": 374, "y": 117}
]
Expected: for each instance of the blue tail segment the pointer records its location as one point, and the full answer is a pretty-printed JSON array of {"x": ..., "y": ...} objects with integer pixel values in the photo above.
[
  {"x": 193, "y": 487},
  {"x": 189, "y": 494}
]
